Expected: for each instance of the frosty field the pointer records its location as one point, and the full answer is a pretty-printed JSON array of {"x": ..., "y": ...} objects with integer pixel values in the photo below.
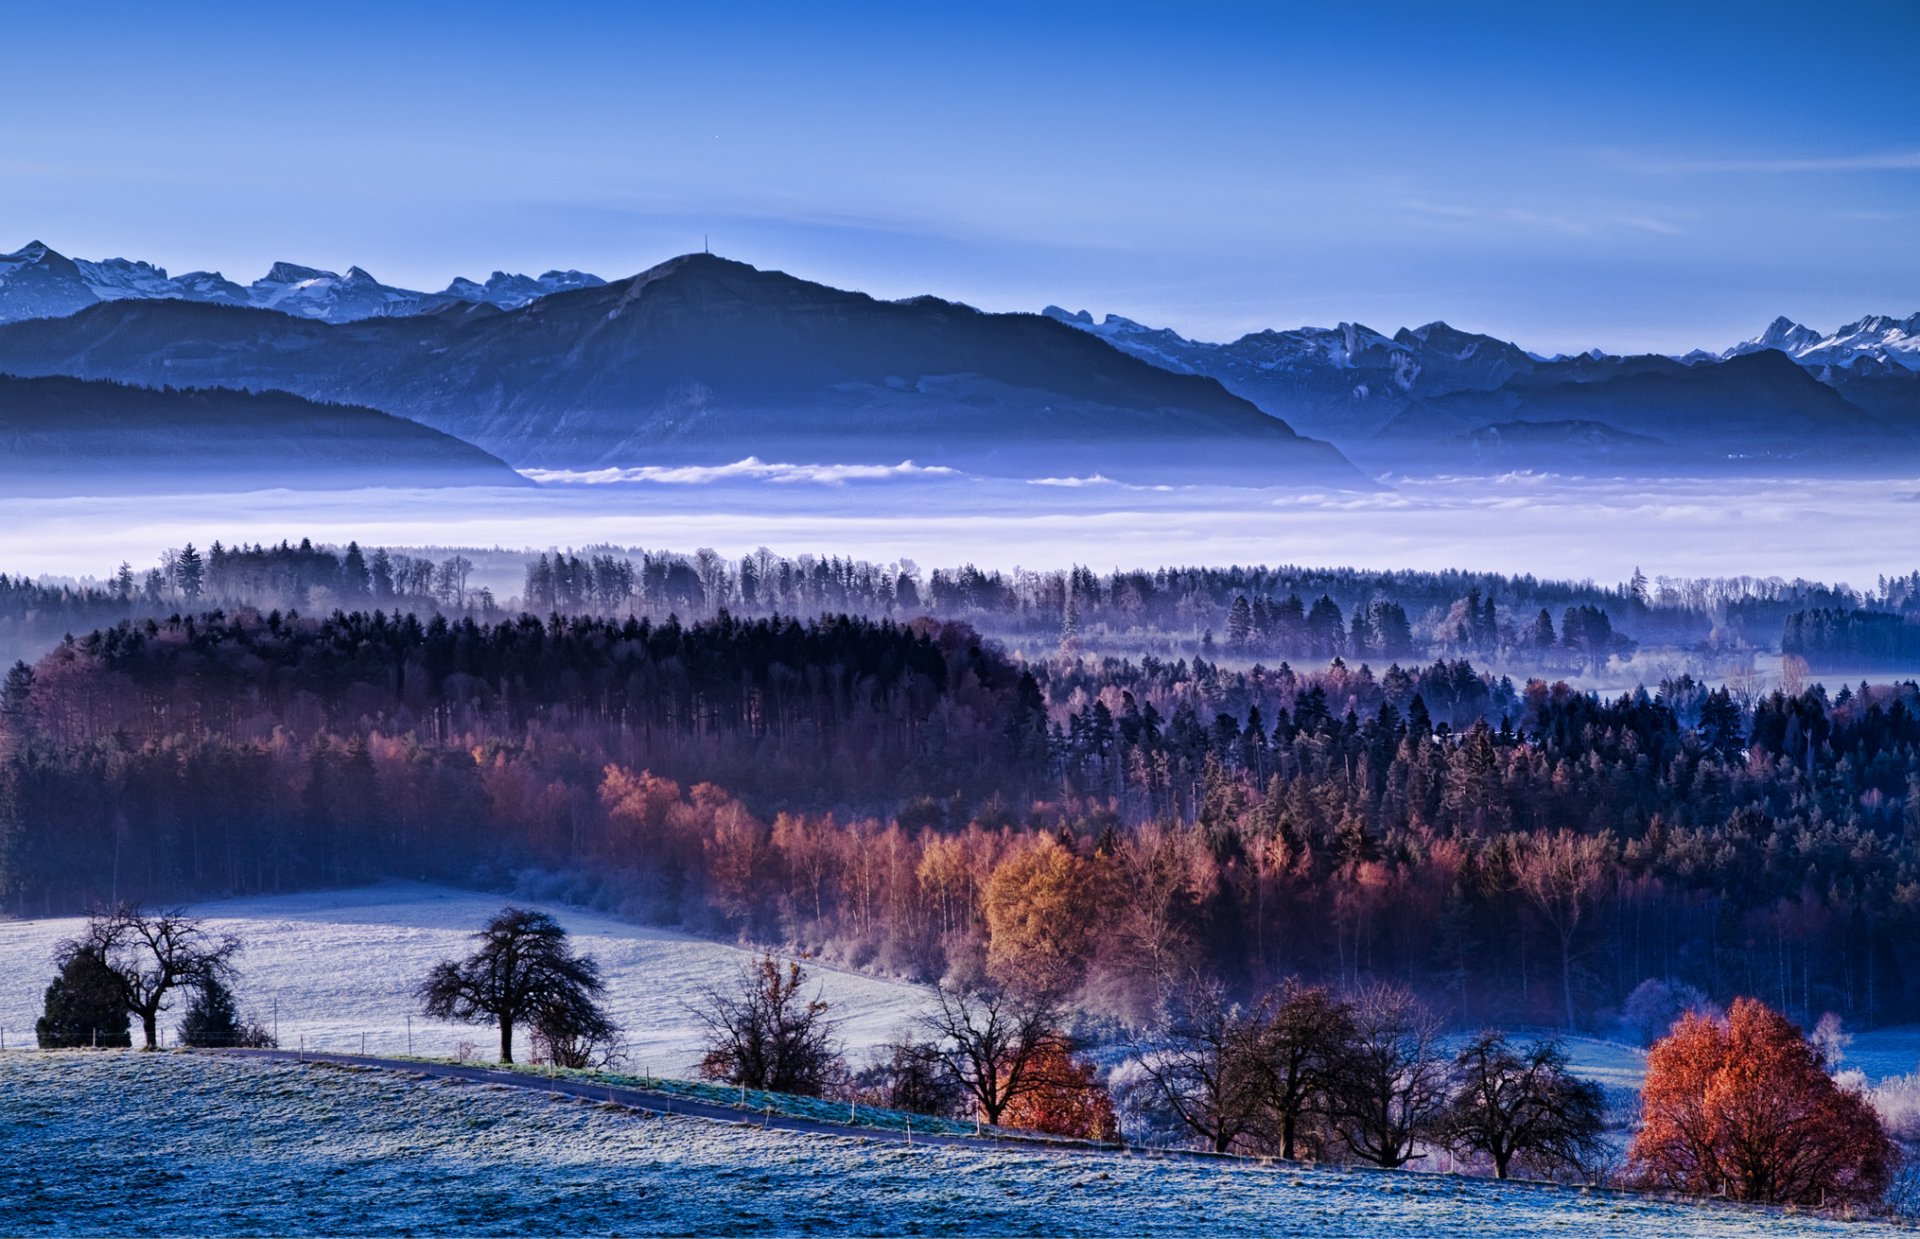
[
  {"x": 341, "y": 964},
  {"x": 116, "y": 1142}
]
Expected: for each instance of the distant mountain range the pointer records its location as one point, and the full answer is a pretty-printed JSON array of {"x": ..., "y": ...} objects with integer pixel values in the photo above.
[
  {"x": 1438, "y": 397},
  {"x": 706, "y": 360},
  {"x": 38, "y": 282},
  {"x": 73, "y": 436}
]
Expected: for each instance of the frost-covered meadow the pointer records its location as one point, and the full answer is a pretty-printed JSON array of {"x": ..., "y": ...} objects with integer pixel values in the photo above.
[
  {"x": 342, "y": 963},
  {"x": 121, "y": 1142}
]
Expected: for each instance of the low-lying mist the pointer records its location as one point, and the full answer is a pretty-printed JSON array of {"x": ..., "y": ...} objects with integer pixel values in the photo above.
[{"x": 1565, "y": 527}]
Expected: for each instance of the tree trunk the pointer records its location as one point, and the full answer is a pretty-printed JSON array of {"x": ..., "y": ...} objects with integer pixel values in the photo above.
[
  {"x": 150, "y": 1024},
  {"x": 1566, "y": 975},
  {"x": 1286, "y": 1136},
  {"x": 506, "y": 1038}
]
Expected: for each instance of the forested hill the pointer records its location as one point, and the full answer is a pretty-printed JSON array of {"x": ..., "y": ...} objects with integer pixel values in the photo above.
[
  {"x": 63, "y": 436},
  {"x": 876, "y": 790}
]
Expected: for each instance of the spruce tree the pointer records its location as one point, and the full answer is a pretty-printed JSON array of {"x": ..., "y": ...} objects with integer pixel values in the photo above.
[{"x": 84, "y": 1006}]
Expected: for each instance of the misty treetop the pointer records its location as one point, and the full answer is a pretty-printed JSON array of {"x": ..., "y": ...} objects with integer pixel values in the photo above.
[{"x": 1237, "y": 612}]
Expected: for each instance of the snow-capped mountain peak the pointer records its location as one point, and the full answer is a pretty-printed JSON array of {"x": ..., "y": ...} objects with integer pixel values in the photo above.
[
  {"x": 293, "y": 273},
  {"x": 1876, "y": 341}
]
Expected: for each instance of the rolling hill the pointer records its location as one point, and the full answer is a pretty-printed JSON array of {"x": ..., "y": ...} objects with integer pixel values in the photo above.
[{"x": 65, "y": 436}]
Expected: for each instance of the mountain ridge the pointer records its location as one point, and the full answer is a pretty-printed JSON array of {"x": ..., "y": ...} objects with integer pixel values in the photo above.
[
  {"x": 702, "y": 359},
  {"x": 37, "y": 281}
]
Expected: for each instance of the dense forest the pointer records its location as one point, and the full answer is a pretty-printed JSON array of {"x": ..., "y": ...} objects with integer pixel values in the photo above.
[
  {"x": 912, "y": 797},
  {"x": 1520, "y": 623}
]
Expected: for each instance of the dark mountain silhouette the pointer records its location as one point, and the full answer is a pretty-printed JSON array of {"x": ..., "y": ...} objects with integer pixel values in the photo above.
[
  {"x": 1754, "y": 409},
  {"x": 74, "y": 436},
  {"x": 705, "y": 360}
]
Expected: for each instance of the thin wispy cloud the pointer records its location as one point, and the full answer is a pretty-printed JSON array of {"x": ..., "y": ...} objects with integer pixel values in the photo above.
[
  {"x": 1561, "y": 222},
  {"x": 750, "y": 469},
  {"x": 1887, "y": 161}
]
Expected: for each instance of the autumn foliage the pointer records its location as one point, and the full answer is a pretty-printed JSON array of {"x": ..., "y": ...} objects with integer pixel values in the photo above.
[
  {"x": 1743, "y": 1107},
  {"x": 1067, "y": 1098}
]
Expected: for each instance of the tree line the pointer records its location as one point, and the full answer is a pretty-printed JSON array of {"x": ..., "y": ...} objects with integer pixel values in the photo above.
[{"x": 1240, "y": 612}]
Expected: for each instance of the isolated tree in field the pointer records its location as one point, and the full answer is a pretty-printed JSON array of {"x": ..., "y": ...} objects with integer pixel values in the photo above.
[
  {"x": 1066, "y": 1097},
  {"x": 1521, "y": 1102},
  {"x": 1743, "y": 1106},
  {"x": 1206, "y": 1064},
  {"x": 570, "y": 1030},
  {"x": 523, "y": 966},
  {"x": 85, "y": 1005},
  {"x": 152, "y": 954},
  {"x": 1305, "y": 1033},
  {"x": 214, "y": 1019},
  {"x": 768, "y": 1034},
  {"x": 1390, "y": 1086},
  {"x": 990, "y": 1039}
]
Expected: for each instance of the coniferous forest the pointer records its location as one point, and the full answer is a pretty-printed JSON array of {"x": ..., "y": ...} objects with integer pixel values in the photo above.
[{"x": 894, "y": 787}]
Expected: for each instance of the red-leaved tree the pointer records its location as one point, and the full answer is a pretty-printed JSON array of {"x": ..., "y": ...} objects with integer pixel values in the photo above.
[
  {"x": 1744, "y": 1107},
  {"x": 1066, "y": 1098}
]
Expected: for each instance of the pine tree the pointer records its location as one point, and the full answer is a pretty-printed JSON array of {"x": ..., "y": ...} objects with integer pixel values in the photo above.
[
  {"x": 211, "y": 1018},
  {"x": 189, "y": 572},
  {"x": 1239, "y": 624},
  {"x": 84, "y": 1006}
]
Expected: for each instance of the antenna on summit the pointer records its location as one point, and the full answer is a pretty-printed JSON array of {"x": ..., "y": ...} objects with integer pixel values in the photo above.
[{"x": 704, "y": 247}]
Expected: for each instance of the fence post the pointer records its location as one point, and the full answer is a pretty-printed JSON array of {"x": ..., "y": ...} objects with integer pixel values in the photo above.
[
  {"x": 909, "y": 1131},
  {"x": 409, "y": 1035}
]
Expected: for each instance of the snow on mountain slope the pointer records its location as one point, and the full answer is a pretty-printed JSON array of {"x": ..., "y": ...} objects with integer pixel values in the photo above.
[
  {"x": 38, "y": 282},
  {"x": 510, "y": 292},
  {"x": 163, "y": 1143},
  {"x": 345, "y": 962},
  {"x": 1873, "y": 342},
  {"x": 1342, "y": 382}
]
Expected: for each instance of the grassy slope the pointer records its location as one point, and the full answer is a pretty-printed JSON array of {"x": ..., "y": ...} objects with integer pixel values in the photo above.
[
  {"x": 122, "y": 1142},
  {"x": 345, "y": 962}
]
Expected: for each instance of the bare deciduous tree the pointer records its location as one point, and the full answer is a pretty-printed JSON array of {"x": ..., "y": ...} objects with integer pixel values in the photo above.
[
  {"x": 1391, "y": 1085},
  {"x": 769, "y": 1035},
  {"x": 1522, "y": 1102},
  {"x": 1562, "y": 873},
  {"x": 1305, "y": 1033},
  {"x": 151, "y": 954},
  {"x": 1207, "y": 1064},
  {"x": 522, "y": 969},
  {"x": 991, "y": 1040}
]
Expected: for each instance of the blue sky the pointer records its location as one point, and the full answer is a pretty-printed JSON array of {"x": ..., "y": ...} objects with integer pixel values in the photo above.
[{"x": 1633, "y": 176}]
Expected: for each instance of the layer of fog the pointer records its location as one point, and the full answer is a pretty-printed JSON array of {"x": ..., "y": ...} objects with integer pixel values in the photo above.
[{"x": 1550, "y": 526}]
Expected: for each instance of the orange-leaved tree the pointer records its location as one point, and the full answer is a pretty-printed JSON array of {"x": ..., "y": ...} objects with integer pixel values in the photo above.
[
  {"x": 1066, "y": 1098},
  {"x": 1743, "y": 1107}
]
